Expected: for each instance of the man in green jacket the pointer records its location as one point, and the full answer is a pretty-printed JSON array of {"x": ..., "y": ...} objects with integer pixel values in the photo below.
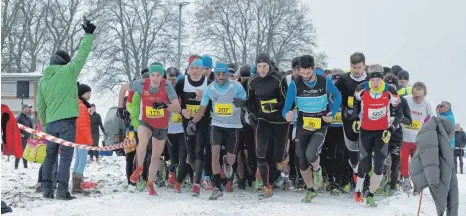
[{"x": 57, "y": 106}]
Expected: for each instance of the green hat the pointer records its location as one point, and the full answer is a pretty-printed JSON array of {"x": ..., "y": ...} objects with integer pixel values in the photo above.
[
  {"x": 157, "y": 68},
  {"x": 156, "y": 63}
]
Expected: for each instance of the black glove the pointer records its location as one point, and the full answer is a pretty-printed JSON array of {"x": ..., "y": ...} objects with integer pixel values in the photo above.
[
  {"x": 159, "y": 105},
  {"x": 238, "y": 102},
  {"x": 269, "y": 107},
  {"x": 191, "y": 128},
  {"x": 123, "y": 114},
  {"x": 88, "y": 27},
  {"x": 346, "y": 113},
  {"x": 252, "y": 119},
  {"x": 391, "y": 129}
]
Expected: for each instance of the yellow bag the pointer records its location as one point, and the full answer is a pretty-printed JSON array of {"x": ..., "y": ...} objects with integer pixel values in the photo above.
[{"x": 35, "y": 151}]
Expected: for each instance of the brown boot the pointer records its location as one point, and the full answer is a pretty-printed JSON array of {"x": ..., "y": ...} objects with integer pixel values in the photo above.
[{"x": 77, "y": 179}]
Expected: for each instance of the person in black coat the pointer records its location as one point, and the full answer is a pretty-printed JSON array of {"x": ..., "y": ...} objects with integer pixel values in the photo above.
[
  {"x": 96, "y": 122},
  {"x": 25, "y": 120},
  {"x": 460, "y": 142}
]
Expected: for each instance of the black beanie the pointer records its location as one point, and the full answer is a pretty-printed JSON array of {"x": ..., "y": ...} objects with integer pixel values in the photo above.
[
  {"x": 376, "y": 75},
  {"x": 396, "y": 69},
  {"x": 232, "y": 68},
  {"x": 386, "y": 70},
  {"x": 295, "y": 62},
  {"x": 263, "y": 58},
  {"x": 245, "y": 71},
  {"x": 391, "y": 79},
  {"x": 64, "y": 55},
  {"x": 173, "y": 71},
  {"x": 403, "y": 75},
  {"x": 60, "y": 57},
  {"x": 82, "y": 89}
]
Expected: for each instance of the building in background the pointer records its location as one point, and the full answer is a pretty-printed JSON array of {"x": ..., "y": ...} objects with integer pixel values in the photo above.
[{"x": 19, "y": 88}]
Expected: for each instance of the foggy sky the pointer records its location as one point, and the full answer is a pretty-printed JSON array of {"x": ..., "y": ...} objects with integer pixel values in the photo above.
[{"x": 425, "y": 37}]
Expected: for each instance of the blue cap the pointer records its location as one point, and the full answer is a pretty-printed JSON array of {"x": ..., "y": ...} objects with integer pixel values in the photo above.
[
  {"x": 206, "y": 61},
  {"x": 319, "y": 71},
  {"x": 197, "y": 63},
  {"x": 252, "y": 69},
  {"x": 221, "y": 67}
]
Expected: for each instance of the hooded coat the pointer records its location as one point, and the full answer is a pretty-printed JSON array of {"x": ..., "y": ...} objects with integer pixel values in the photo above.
[
  {"x": 56, "y": 95},
  {"x": 10, "y": 134},
  {"x": 432, "y": 165}
]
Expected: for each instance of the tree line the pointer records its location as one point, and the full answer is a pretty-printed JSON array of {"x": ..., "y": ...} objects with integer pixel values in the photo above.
[{"x": 133, "y": 33}]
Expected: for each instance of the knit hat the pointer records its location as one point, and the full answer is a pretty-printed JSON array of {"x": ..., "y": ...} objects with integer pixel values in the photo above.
[
  {"x": 295, "y": 62},
  {"x": 386, "y": 70},
  {"x": 244, "y": 71},
  {"x": 403, "y": 75},
  {"x": 391, "y": 79},
  {"x": 83, "y": 89},
  {"x": 206, "y": 61},
  {"x": 192, "y": 58},
  {"x": 376, "y": 75},
  {"x": 396, "y": 69},
  {"x": 232, "y": 68},
  {"x": 60, "y": 57},
  {"x": 156, "y": 68},
  {"x": 252, "y": 69},
  {"x": 221, "y": 67},
  {"x": 263, "y": 58},
  {"x": 173, "y": 71},
  {"x": 157, "y": 63},
  {"x": 197, "y": 63}
]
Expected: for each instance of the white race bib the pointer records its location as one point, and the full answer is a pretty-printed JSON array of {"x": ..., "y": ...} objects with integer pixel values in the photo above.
[{"x": 376, "y": 114}]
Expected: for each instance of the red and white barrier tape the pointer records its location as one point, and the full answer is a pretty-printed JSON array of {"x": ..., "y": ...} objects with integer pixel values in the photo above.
[{"x": 51, "y": 138}]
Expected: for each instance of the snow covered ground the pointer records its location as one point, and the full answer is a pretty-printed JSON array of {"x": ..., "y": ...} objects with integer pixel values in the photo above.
[{"x": 116, "y": 200}]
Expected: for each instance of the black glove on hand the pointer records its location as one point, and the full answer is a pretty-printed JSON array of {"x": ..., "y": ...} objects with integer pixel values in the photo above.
[
  {"x": 159, "y": 105},
  {"x": 88, "y": 26},
  {"x": 238, "y": 102},
  {"x": 123, "y": 114},
  {"x": 391, "y": 129},
  {"x": 191, "y": 128}
]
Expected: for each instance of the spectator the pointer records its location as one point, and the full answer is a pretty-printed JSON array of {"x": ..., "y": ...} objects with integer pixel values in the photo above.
[
  {"x": 444, "y": 109},
  {"x": 96, "y": 122},
  {"x": 58, "y": 109},
  {"x": 83, "y": 136},
  {"x": 460, "y": 141},
  {"x": 25, "y": 120}
]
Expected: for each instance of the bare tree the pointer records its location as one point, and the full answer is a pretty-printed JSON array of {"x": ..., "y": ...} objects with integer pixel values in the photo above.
[
  {"x": 239, "y": 30},
  {"x": 10, "y": 11},
  {"x": 137, "y": 32}
]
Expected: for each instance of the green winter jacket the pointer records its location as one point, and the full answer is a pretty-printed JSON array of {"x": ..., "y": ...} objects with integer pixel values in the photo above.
[
  {"x": 57, "y": 93},
  {"x": 135, "y": 110}
]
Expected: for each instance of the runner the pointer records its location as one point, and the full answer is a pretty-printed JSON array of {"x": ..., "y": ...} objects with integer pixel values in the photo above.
[
  {"x": 266, "y": 97},
  {"x": 421, "y": 111},
  {"x": 158, "y": 97},
  {"x": 396, "y": 139},
  {"x": 190, "y": 89},
  {"x": 311, "y": 92},
  {"x": 347, "y": 84},
  {"x": 175, "y": 139},
  {"x": 372, "y": 110},
  {"x": 227, "y": 98},
  {"x": 404, "y": 87},
  {"x": 335, "y": 154}
]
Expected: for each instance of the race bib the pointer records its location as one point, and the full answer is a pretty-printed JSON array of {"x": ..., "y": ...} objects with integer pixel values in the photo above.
[
  {"x": 192, "y": 108},
  {"x": 311, "y": 123},
  {"x": 416, "y": 125},
  {"x": 224, "y": 109},
  {"x": 350, "y": 101},
  {"x": 273, "y": 101},
  {"x": 154, "y": 113},
  {"x": 376, "y": 114},
  {"x": 337, "y": 119},
  {"x": 176, "y": 118},
  {"x": 390, "y": 121}
]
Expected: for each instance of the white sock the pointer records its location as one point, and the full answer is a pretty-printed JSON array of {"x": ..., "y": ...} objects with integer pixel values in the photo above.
[
  {"x": 359, "y": 183},
  {"x": 375, "y": 182}
]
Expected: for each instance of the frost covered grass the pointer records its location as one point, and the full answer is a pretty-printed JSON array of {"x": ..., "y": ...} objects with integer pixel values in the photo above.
[{"x": 115, "y": 198}]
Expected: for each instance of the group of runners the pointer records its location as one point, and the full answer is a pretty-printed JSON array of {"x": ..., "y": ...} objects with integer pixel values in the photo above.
[{"x": 306, "y": 129}]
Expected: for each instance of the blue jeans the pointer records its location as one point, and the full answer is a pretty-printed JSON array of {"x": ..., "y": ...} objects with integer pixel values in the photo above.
[
  {"x": 64, "y": 129},
  {"x": 80, "y": 161}
]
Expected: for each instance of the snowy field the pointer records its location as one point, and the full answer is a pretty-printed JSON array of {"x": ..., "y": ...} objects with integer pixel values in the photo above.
[{"x": 115, "y": 199}]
